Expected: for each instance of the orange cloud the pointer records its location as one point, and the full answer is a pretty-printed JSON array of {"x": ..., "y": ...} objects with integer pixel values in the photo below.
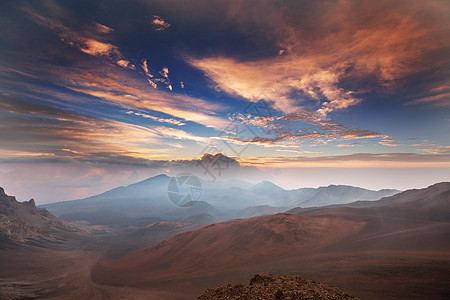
[
  {"x": 40, "y": 132},
  {"x": 92, "y": 42},
  {"x": 159, "y": 23},
  {"x": 438, "y": 150},
  {"x": 438, "y": 100},
  {"x": 347, "y": 41},
  {"x": 121, "y": 88},
  {"x": 291, "y": 129},
  {"x": 357, "y": 160}
]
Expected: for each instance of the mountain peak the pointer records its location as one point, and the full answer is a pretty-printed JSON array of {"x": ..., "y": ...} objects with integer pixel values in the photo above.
[
  {"x": 210, "y": 158},
  {"x": 2, "y": 192},
  {"x": 266, "y": 183},
  {"x": 265, "y": 187}
]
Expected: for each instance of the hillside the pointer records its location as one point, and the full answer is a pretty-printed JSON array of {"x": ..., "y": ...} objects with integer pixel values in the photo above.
[
  {"x": 405, "y": 249},
  {"x": 22, "y": 221}
]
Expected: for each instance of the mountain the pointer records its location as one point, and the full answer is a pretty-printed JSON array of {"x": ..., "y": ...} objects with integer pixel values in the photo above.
[
  {"x": 22, "y": 221},
  {"x": 399, "y": 242},
  {"x": 134, "y": 199},
  {"x": 119, "y": 207},
  {"x": 265, "y": 188},
  {"x": 340, "y": 194},
  {"x": 432, "y": 196},
  {"x": 427, "y": 204}
]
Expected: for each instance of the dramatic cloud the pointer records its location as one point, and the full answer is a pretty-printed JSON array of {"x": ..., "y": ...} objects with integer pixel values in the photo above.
[
  {"x": 296, "y": 128},
  {"x": 110, "y": 94},
  {"x": 347, "y": 42},
  {"x": 33, "y": 132},
  {"x": 115, "y": 87}
]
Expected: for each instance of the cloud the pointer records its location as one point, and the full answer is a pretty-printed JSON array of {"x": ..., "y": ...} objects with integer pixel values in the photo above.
[
  {"x": 388, "y": 142},
  {"x": 438, "y": 150},
  {"x": 299, "y": 151},
  {"x": 152, "y": 79},
  {"x": 296, "y": 128},
  {"x": 125, "y": 64},
  {"x": 275, "y": 79},
  {"x": 437, "y": 100},
  {"x": 115, "y": 87},
  {"x": 159, "y": 24},
  {"x": 93, "y": 41},
  {"x": 103, "y": 28},
  {"x": 145, "y": 68},
  {"x": 356, "y": 160},
  {"x": 346, "y": 49},
  {"x": 32, "y": 132},
  {"x": 89, "y": 44},
  {"x": 351, "y": 144},
  {"x": 102, "y": 82},
  {"x": 163, "y": 120}
]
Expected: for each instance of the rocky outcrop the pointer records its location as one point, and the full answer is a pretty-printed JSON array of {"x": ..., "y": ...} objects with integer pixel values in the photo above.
[
  {"x": 276, "y": 287},
  {"x": 20, "y": 221}
]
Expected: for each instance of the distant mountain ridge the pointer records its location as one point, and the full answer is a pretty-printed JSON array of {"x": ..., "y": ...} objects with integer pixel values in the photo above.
[
  {"x": 221, "y": 199},
  {"x": 342, "y": 194},
  {"x": 400, "y": 238}
]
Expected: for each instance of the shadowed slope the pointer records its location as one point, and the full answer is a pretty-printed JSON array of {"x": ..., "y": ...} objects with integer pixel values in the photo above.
[{"x": 218, "y": 247}]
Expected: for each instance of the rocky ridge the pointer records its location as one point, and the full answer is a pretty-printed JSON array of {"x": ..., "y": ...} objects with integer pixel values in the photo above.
[
  {"x": 275, "y": 287},
  {"x": 20, "y": 221}
]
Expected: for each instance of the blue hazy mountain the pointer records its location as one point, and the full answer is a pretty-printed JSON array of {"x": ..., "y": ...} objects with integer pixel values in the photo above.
[{"x": 220, "y": 199}]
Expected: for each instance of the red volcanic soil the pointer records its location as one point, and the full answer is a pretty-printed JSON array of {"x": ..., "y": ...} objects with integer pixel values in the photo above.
[
  {"x": 395, "y": 248},
  {"x": 220, "y": 248}
]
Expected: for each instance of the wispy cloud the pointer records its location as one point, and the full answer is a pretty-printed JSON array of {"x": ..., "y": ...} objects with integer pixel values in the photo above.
[
  {"x": 103, "y": 28},
  {"x": 352, "y": 144},
  {"x": 35, "y": 132},
  {"x": 437, "y": 150},
  {"x": 297, "y": 128},
  {"x": 98, "y": 76},
  {"x": 115, "y": 87},
  {"x": 357, "y": 160},
  {"x": 388, "y": 142},
  {"x": 93, "y": 42},
  {"x": 442, "y": 99},
  {"x": 163, "y": 120},
  {"x": 159, "y": 24}
]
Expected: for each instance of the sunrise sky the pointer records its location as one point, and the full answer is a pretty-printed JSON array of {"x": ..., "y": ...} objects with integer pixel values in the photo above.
[{"x": 98, "y": 94}]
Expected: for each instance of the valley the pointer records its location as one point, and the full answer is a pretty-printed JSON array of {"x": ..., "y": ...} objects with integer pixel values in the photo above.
[{"x": 384, "y": 248}]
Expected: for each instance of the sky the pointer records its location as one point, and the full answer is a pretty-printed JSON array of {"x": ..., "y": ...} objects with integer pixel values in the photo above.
[{"x": 99, "y": 94}]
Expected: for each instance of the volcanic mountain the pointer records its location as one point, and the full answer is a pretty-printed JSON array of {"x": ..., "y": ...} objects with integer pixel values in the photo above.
[
  {"x": 400, "y": 242},
  {"x": 223, "y": 200},
  {"x": 22, "y": 221}
]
